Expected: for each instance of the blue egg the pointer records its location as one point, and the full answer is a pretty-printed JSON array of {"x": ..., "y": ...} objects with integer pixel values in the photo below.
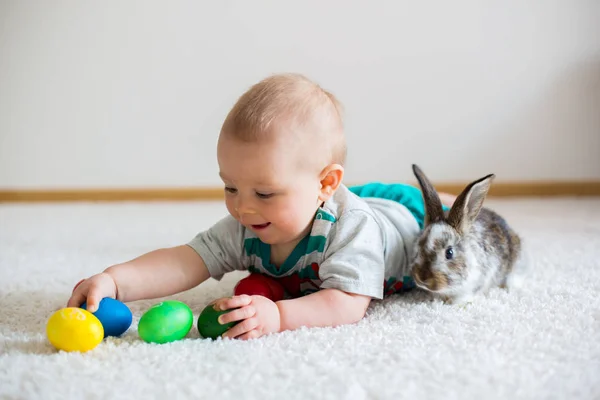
[{"x": 114, "y": 315}]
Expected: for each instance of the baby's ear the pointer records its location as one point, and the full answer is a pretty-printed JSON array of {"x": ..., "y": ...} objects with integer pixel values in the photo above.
[{"x": 330, "y": 179}]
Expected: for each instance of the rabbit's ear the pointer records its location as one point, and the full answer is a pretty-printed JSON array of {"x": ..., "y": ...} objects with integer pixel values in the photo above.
[
  {"x": 433, "y": 205},
  {"x": 469, "y": 203}
]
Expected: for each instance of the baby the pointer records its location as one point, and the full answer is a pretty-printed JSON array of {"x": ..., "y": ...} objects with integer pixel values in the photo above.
[{"x": 281, "y": 153}]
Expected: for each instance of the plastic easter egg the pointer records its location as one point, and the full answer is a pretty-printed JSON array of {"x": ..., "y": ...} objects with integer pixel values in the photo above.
[
  {"x": 165, "y": 322},
  {"x": 208, "y": 324},
  {"x": 114, "y": 315},
  {"x": 74, "y": 329},
  {"x": 261, "y": 285}
]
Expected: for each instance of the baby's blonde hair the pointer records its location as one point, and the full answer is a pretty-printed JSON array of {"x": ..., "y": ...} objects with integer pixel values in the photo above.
[{"x": 293, "y": 101}]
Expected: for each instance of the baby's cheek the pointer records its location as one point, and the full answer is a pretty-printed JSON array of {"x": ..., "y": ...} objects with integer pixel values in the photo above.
[
  {"x": 293, "y": 219},
  {"x": 289, "y": 220}
]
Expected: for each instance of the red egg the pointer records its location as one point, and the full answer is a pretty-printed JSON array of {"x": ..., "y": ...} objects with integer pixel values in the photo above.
[{"x": 260, "y": 285}]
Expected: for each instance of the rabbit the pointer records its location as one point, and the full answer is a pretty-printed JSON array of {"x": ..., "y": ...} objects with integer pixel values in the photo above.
[{"x": 465, "y": 251}]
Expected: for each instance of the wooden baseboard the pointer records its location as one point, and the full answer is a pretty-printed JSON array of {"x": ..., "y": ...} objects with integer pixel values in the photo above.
[
  {"x": 151, "y": 194},
  {"x": 499, "y": 189}
]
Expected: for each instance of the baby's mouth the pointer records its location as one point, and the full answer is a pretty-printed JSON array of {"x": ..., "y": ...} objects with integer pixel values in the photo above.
[{"x": 261, "y": 226}]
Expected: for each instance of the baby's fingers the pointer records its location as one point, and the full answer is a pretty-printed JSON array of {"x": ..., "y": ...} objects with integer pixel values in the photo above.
[
  {"x": 234, "y": 302},
  {"x": 237, "y": 315},
  {"x": 241, "y": 328},
  {"x": 93, "y": 300},
  {"x": 76, "y": 299},
  {"x": 79, "y": 294},
  {"x": 253, "y": 334}
]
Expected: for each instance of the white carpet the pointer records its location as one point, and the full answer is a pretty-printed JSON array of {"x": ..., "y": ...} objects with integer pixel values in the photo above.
[{"x": 543, "y": 344}]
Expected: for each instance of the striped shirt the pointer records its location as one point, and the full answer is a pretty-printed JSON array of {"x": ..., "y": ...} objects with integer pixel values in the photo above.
[{"x": 360, "y": 245}]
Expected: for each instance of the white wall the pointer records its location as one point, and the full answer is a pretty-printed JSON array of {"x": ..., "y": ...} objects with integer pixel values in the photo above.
[{"x": 127, "y": 94}]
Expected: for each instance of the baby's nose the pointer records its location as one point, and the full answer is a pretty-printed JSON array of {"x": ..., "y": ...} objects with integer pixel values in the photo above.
[{"x": 245, "y": 210}]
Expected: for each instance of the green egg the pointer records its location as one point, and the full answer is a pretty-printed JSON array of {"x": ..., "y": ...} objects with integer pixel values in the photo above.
[
  {"x": 166, "y": 322},
  {"x": 208, "y": 324}
]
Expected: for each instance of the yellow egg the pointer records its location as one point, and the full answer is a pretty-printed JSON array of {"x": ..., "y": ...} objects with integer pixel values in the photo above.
[{"x": 74, "y": 329}]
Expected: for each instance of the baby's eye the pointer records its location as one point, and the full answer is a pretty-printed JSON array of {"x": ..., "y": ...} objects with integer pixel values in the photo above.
[
  {"x": 231, "y": 190},
  {"x": 264, "y": 195}
]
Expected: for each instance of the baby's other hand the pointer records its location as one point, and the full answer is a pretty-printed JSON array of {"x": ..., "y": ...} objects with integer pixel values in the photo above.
[
  {"x": 258, "y": 315},
  {"x": 93, "y": 290}
]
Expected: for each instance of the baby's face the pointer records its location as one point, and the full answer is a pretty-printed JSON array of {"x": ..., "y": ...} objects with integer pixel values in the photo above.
[{"x": 268, "y": 189}]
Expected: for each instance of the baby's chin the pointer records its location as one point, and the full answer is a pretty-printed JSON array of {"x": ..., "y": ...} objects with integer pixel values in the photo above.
[
  {"x": 267, "y": 233},
  {"x": 271, "y": 235}
]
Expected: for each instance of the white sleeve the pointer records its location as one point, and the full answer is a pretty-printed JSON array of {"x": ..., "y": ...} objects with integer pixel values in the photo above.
[
  {"x": 354, "y": 258},
  {"x": 221, "y": 247}
]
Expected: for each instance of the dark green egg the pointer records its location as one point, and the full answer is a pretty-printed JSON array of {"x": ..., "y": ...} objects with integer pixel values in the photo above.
[{"x": 208, "y": 324}]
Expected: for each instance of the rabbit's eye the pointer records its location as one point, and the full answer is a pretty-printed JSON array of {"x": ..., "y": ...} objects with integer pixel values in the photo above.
[{"x": 449, "y": 253}]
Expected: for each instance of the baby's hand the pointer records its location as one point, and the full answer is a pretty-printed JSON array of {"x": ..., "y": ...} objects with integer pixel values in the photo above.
[
  {"x": 93, "y": 290},
  {"x": 258, "y": 314}
]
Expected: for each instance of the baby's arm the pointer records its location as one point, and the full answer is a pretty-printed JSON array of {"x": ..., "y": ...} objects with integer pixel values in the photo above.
[
  {"x": 260, "y": 316},
  {"x": 335, "y": 307},
  {"x": 160, "y": 273},
  {"x": 155, "y": 274}
]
